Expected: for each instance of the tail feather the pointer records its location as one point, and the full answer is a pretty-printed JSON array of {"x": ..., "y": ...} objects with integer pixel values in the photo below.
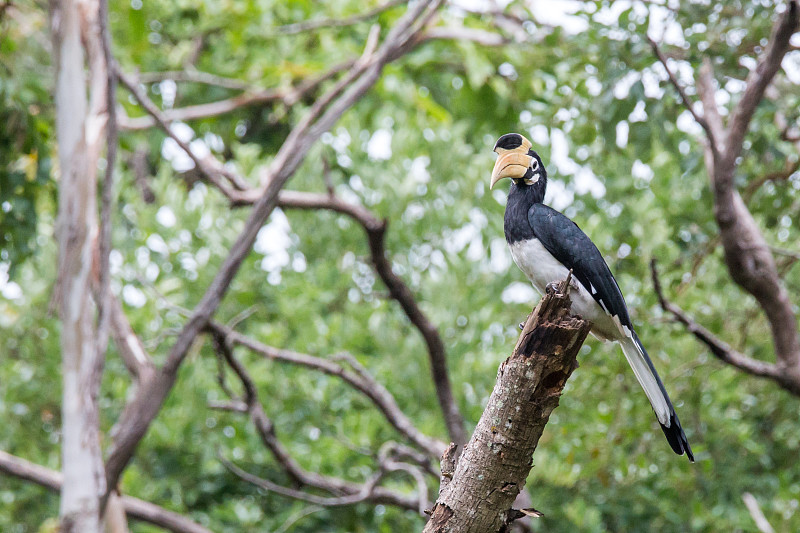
[{"x": 654, "y": 389}]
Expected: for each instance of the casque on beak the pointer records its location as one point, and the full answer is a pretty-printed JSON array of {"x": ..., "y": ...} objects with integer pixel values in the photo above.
[{"x": 513, "y": 163}]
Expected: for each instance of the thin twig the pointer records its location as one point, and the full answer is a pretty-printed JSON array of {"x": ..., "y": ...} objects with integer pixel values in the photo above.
[
  {"x": 362, "y": 381},
  {"x": 463, "y": 33},
  {"x": 104, "y": 241},
  {"x": 194, "y": 76},
  {"x": 253, "y": 97},
  {"x": 399, "y": 291},
  {"x": 687, "y": 102},
  {"x": 298, "y": 474},
  {"x": 364, "y": 494},
  {"x": 309, "y": 25},
  {"x": 787, "y": 253},
  {"x": 209, "y": 167},
  {"x": 782, "y": 175},
  {"x": 296, "y": 517}
]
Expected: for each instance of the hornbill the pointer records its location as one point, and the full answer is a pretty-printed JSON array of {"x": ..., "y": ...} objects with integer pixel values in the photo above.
[{"x": 546, "y": 245}]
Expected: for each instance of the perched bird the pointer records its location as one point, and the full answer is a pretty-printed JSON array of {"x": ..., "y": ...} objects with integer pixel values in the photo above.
[{"x": 546, "y": 245}]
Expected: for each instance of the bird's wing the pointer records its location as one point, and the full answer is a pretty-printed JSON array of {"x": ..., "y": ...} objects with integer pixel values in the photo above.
[{"x": 572, "y": 248}]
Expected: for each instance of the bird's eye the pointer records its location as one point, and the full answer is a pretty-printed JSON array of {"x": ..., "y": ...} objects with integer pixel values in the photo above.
[{"x": 534, "y": 164}]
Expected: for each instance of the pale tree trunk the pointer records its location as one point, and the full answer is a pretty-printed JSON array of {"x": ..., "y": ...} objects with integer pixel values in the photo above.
[{"x": 80, "y": 126}]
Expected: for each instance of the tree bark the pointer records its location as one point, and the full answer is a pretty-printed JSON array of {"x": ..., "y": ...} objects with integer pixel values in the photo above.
[
  {"x": 495, "y": 463},
  {"x": 79, "y": 126}
]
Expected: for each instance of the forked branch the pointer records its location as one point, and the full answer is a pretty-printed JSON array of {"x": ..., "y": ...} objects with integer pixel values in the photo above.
[{"x": 748, "y": 257}]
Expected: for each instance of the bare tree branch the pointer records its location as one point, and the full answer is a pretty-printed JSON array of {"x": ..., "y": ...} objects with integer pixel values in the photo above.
[
  {"x": 134, "y": 507},
  {"x": 722, "y": 350},
  {"x": 493, "y": 468},
  {"x": 757, "y": 81},
  {"x": 139, "y": 414},
  {"x": 754, "y": 509},
  {"x": 376, "y": 230},
  {"x": 193, "y": 76},
  {"x": 362, "y": 381},
  {"x": 687, "y": 102},
  {"x": 747, "y": 255},
  {"x": 376, "y": 233},
  {"x": 309, "y": 25},
  {"x": 463, "y": 33},
  {"x": 287, "y": 97},
  {"x": 297, "y": 473}
]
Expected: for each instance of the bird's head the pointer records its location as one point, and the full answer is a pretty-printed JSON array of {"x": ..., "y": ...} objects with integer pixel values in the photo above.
[{"x": 517, "y": 161}]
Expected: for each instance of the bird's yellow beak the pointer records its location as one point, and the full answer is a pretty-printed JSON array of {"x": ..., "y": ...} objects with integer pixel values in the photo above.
[{"x": 512, "y": 163}]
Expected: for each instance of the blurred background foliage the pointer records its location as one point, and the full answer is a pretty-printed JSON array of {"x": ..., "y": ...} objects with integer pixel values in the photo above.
[{"x": 625, "y": 162}]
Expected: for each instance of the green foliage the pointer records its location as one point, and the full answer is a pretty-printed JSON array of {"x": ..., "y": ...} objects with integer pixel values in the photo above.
[
  {"x": 24, "y": 149},
  {"x": 602, "y": 464}
]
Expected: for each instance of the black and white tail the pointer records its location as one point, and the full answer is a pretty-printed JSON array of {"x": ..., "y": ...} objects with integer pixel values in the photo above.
[{"x": 654, "y": 389}]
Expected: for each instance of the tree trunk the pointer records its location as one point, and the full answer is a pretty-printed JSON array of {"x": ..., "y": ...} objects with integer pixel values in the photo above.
[
  {"x": 495, "y": 463},
  {"x": 79, "y": 132}
]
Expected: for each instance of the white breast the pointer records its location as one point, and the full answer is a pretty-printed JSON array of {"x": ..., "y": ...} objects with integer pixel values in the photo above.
[{"x": 541, "y": 268}]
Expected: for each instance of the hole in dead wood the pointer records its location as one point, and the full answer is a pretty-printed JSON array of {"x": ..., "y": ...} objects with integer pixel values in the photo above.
[
  {"x": 554, "y": 379},
  {"x": 508, "y": 487}
]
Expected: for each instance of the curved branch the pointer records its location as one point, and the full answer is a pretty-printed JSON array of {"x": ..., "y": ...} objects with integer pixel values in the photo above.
[
  {"x": 220, "y": 107},
  {"x": 365, "y": 494},
  {"x": 140, "y": 413},
  {"x": 376, "y": 233},
  {"x": 362, "y": 382},
  {"x": 721, "y": 350},
  {"x": 757, "y": 82},
  {"x": 269, "y": 438},
  {"x": 687, "y": 102}
]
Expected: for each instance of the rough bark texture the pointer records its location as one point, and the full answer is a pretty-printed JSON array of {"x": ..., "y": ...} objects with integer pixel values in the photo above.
[{"x": 495, "y": 463}]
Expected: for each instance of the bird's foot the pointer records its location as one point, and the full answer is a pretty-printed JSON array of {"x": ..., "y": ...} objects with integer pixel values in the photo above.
[{"x": 521, "y": 326}]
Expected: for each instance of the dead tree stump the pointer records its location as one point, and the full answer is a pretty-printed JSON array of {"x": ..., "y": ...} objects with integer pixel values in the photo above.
[{"x": 477, "y": 495}]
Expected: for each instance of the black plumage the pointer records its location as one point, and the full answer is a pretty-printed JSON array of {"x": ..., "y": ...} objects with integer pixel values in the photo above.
[{"x": 528, "y": 224}]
